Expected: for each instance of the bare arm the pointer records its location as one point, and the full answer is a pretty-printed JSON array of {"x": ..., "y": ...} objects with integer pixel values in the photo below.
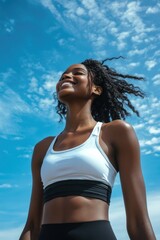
[
  {"x": 33, "y": 223},
  {"x": 128, "y": 159}
]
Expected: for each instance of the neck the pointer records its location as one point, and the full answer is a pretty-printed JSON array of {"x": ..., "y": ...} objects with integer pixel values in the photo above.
[{"x": 78, "y": 117}]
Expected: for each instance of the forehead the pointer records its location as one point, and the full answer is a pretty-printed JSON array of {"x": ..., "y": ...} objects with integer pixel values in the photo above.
[{"x": 76, "y": 66}]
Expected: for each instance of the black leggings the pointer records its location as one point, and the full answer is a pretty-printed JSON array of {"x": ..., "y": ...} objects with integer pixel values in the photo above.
[{"x": 93, "y": 230}]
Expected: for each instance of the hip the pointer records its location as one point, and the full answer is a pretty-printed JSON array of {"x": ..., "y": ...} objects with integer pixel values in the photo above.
[{"x": 99, "y": 229}]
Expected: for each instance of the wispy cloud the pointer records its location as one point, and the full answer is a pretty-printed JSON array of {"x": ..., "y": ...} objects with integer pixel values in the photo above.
[
  {"x": 154, "y": 9},
  {"x": 134, "y": 64},
  {"x": 9, "y": 25},
  {"x": 117, "y": 213},
  {"x": 154, "y": 130},
  {"x": 7, "y": 74},
  {"x": 7, "y": 185},
  {"x": 150, "y": 64},
  {"x": 122, "y": 21},
  {"x": 40, "y": 91},
  {"x": 11, "y": 105},
  {"x": 157, "y": 148},
  {"x": 11, "y": 233},
  {"x": 138, "y": 126},
  {"x": 156, "y": 79},
  {"x": 148, "y": 127},
  {"x": 48, "y": 4},
  {"x": 137, "y": 51}
]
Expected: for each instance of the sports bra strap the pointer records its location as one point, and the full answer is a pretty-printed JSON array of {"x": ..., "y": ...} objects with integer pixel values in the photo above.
[{"x": 97, "y": 129}]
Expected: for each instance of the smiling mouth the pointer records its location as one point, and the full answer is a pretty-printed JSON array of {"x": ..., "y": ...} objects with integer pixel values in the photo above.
[{"x": 67, "y": 84}]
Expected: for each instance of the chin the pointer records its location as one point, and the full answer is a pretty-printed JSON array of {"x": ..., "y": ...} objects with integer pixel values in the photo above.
[{"x": 65, "y": 97}]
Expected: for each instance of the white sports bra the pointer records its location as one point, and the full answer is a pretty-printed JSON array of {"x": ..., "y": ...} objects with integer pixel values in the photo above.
[{"x": 84, "y": 164}]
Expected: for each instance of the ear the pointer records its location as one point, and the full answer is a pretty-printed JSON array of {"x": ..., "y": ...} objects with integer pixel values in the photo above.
[{"x": 97, "y": 90}]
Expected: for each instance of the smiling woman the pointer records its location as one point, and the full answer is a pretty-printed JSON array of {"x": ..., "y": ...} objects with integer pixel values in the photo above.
[
  {"x": 74, "y": 172},
  {"x": 75, "y": 79}
]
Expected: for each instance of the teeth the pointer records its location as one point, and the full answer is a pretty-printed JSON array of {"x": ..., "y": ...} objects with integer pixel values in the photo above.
[{"x": 66, "y": 84}]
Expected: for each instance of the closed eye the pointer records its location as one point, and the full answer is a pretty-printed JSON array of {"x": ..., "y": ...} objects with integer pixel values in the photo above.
[
  {"x": 74, "y": 73},
  {"x": 79, "y": 73}
]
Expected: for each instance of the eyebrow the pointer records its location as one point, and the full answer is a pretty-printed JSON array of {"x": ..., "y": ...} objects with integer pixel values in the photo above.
[{"x": 81, "y": 69}]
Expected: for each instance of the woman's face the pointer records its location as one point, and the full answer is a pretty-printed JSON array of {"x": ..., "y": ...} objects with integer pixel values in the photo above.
[{"x": 74, "y": 83}]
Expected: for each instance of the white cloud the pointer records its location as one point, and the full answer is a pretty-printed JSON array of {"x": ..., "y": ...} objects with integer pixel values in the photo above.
[
  {"x": 134, "y": 64},
  {"x": 153, "y": 10},
  {"x": 131, "y": 15},
  {"x": 117, "y": 215},
  {"x": 40, "y": 87},
  {"x": 150, "y": 121},
  {"x": 8, "y": 74},
  {"x": 101, "y": 54},
  {"x": 138, "y": 126},
  {"x": 97, "y": 41},
  {"x": 7, "y": 185},
  {"x": 153, "y": 141},
  {"x": 25, "y": 156},
  {"x": 45, "y": 103},
  {"x": 33, "y": 85},
  {"x": 89, "y": 4},
  {"x": 137, "y": 52},
  {"x": 138, "y": 38},
  {"x": 154, "y": 130},
  {"x": 80, "y": 11},
  {"x": 61, "y": 42},
  {"x": 146, "y": 152},
  {"x": 117, "y": 7},
  {"x": 48, "y": 4},
  {"x": 157, "y": 53},
  {"x": 156, "y": 148},
  {"x": 156, "y": 79},
  {"x": 11, "y": 107},
  {"x": 50, "y": 80},
  {"x": 150, "y": 64},
  {"x": 121, "y": 20},
  {"x": 149, "y": 130},
  {"x": 9, "y": 25},
  {"x": 11, "y": 233}
]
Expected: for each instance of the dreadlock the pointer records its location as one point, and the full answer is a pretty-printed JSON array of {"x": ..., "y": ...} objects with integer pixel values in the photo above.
[{"x": 113, "y": 102}]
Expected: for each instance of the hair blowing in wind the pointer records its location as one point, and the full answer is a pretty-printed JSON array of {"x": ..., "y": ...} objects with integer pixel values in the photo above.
[{"x": 114, "y": 101}]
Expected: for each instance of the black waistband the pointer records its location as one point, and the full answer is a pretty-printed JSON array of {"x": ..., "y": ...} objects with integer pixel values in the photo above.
[{"x": 85, "y": 188}]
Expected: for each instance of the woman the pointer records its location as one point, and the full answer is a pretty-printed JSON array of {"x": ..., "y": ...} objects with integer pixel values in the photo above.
[{"x": 74, "y": 172}]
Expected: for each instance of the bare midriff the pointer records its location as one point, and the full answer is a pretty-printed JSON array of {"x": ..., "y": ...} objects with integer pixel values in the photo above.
[{"x": 74, "y": 209}]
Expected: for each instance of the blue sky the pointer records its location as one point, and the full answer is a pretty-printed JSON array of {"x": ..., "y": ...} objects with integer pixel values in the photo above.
[{"x": 39, "y": 39}]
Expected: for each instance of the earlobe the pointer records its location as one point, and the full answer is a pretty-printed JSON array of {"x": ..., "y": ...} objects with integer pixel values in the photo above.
[{"x": 97, "y": 90}]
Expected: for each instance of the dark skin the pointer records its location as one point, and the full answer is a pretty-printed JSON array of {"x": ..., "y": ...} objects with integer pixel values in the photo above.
[{"x": 119, "y": 142}]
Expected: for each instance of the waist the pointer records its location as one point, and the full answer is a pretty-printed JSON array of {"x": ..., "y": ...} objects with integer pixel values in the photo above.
[
  {"x": 84, "y": 188},
  {"x": 74, "y": 209}
]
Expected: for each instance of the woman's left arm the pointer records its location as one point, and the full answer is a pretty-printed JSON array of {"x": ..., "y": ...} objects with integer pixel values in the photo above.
[{"x": 128, "y": 159}]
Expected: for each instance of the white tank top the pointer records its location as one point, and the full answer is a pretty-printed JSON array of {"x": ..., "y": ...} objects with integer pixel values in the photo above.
[{"x": 86, "y": 161}]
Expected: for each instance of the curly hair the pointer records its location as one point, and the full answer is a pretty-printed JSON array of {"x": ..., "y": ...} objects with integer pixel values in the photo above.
[{"x": 113, "y": 103}]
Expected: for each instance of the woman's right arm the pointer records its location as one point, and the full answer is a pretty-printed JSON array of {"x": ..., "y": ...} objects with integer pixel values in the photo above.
[{"x": 33, "y": 223}]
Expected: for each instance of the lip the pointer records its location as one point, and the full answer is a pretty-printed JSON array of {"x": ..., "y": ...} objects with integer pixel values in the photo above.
[{"x": 66, "y": 81}]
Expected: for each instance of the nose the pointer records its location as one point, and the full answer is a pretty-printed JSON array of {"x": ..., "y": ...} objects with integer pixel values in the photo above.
[{"x": 67, "y": 75}]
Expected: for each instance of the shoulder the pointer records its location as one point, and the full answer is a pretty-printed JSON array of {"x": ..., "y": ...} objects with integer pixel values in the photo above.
[
  {"x": 122, "y": 136},
  {"x": 126, "y": 146},
  {"x": 41, "y": 148},
  {"x": 118, "y": 129},
  {"x": 44, "y": 143},
  {"x": 119, "y": 125}
]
